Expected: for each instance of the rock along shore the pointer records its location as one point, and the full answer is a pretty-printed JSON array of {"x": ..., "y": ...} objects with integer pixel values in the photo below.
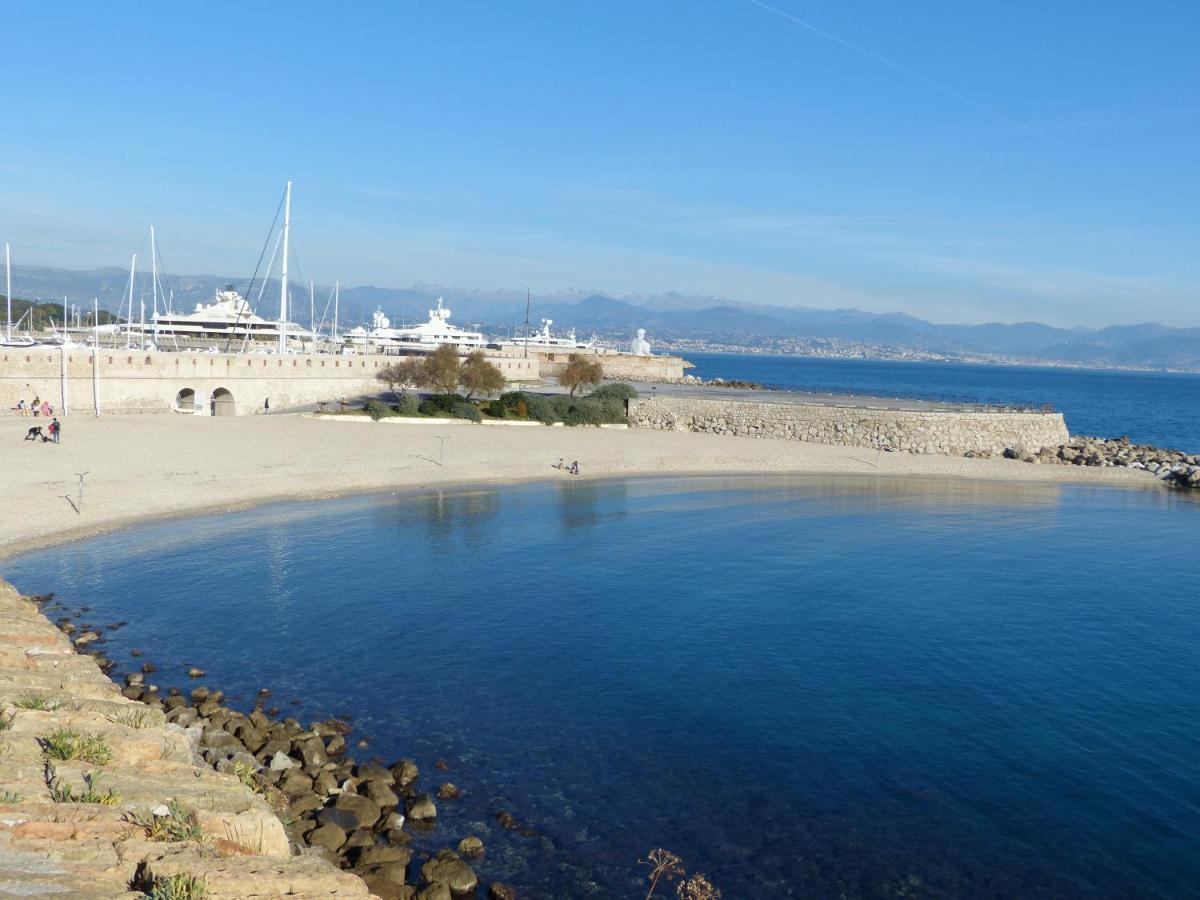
[
  {"x": 1173, "y": 466},
  {"x": 109, "y": 792}
]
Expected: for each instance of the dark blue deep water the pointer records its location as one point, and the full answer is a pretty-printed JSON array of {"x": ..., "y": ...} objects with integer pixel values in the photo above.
[
  {"x": 804, "y": 687},
  {"x": 1159, "y": 408}
]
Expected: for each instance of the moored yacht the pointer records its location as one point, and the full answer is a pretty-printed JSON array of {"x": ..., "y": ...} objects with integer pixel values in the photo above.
[{"x": 426, "y": 336}]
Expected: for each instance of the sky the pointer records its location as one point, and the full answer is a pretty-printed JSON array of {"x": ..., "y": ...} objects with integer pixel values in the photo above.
[{"x": 964, "y": 162}]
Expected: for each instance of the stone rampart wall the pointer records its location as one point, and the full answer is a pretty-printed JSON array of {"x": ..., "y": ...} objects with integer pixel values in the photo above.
[
  {"x": 125, "y": 381},
  {"x": 618, "y": 365},
  {"x": 933, "y": 431}
]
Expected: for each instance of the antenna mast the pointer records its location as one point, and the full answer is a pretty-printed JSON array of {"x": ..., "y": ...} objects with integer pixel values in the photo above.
[{"x": 283, "y": 279}]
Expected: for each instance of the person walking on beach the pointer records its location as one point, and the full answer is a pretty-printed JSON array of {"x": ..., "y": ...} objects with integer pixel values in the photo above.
[{"x": 55, "y": 430}]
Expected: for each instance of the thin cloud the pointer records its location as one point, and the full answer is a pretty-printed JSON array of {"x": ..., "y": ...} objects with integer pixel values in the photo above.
[{"x": 904, "y": 70}]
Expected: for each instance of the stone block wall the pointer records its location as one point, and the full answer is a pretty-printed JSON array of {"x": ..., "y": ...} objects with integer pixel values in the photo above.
[{"x": 948, "y": 432}]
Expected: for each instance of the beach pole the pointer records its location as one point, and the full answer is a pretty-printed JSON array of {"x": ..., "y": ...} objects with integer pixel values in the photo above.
[{"x": 96, "y": 355}]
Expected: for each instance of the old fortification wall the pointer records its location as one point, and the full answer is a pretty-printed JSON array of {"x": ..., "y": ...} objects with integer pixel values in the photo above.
[
  {"x": 78, "y": 380},
  {"x": 927, "y": 431},
  {"x": 617, "y": 365}
]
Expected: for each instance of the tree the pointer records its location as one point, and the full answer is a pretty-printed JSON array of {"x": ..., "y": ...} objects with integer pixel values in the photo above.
[
  {"x": 480, "y": 376},
  {"x": 402, "y": 375},
  {"x": 440, "y": 370},
  {"x": 580, "y": 372}
]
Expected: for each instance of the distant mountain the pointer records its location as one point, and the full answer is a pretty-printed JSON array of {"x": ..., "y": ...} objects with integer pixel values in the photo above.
[{"x": 665, "y": 316}]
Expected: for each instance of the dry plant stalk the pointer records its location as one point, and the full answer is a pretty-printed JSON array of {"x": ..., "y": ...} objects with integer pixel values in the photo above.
[{"x": 663, "y": 863}]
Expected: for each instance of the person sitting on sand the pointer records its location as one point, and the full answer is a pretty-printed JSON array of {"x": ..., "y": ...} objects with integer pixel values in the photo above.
[
  {"x": 47, "y": 409},
  {"x": 574, "y": 470},
  {"x": 561, "y": 464},
  {"x": 36, "y": 406}
]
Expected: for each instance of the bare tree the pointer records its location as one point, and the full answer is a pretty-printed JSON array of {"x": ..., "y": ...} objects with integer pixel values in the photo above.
[
  {"x": 401, "y": 376},
  {"x": 580, "y": 372},
  {"x": 480, "y": 376},
  {"x": 440, "y": 370}
]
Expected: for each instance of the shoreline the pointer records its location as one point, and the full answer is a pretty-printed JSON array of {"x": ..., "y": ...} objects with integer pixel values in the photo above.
[{"x": 300, "y": 459}]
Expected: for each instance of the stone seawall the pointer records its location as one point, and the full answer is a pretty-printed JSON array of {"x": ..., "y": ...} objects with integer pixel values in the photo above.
[{"x": 950, "y": 432}]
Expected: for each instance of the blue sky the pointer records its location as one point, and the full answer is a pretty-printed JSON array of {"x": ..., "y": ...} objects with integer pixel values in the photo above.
[{"x": 1015, "y": 161}]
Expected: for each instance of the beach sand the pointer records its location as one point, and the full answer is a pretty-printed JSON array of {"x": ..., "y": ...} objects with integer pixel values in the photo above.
[{"x": 141, "y": 467}]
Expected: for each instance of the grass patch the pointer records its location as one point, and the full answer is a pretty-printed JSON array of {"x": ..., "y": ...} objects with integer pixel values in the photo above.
[
  {"x": 251, "y": 779},
  {"x": 65, "y": 793},
  {"x": 178, "y": 887},
  {"x": 64, "y": 744},
  {"x": 6, "y": 722},
  {"x": 35, "y": 701},
  {"x": 8, "y": 798},
  {"x": 179, "y": 824},
  {"x": 133, "y": 718}
]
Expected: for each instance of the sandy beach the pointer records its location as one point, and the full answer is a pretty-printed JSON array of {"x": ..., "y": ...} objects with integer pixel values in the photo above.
[{"x": 141, "y": 467}]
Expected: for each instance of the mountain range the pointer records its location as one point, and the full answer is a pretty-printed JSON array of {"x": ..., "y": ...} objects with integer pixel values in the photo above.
[{"x": 666, "y": 317}]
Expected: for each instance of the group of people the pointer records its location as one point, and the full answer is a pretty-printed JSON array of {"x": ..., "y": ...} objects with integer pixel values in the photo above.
[
  {"x": 573, "y": 468},
  {"x": 38, "y": 407},
  {"x": 55, "y": 435}
]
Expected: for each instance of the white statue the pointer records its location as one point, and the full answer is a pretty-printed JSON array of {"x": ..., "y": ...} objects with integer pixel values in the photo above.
[{"x": 640, "y": 346}]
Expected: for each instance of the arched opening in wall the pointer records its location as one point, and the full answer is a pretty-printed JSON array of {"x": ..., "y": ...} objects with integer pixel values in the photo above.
[
  {"x": 185, "y": 401},
  {"x": 222, "y": 403}
]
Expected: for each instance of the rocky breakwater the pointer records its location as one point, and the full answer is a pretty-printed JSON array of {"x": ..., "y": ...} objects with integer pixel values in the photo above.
[
  {"x": 1173, "y": 466},
  {"x": 949, "y": 432},
  {"x": 337, "y": 818},
  {"x": 102, "y": 796}
]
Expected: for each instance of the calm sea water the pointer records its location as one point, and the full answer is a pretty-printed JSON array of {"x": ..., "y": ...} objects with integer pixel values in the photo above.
[
  {"x": 1151, "y": 407},
  {"x": 804, "y": 687}
]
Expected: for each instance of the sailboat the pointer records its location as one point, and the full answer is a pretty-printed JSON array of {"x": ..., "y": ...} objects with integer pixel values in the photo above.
[{"x": 8, "y": 340}]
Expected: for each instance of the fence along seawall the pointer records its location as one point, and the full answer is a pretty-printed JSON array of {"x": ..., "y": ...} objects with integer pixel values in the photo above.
[{"x": 950, "y": 432}]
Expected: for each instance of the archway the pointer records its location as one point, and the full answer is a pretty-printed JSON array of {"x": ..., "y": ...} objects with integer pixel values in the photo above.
[
  {"x": 185, "y": 401},
  {"x": 222, "y": 403}
]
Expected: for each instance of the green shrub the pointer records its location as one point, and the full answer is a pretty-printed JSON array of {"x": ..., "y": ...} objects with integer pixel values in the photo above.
[
  {"x": 497, "y": 410},
  {"x": 618, "y": 390},
  {"x": 409, "y": 405},
  {"x": 377, "y": 409},
  {"x": 428, "y": 408},
  {"x": 465, "y": 410},
  {"x": 445, "y": 403}
]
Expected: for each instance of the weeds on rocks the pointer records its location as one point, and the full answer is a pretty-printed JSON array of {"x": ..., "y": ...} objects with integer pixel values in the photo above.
[
  {"x": 64, "y": 744},
  {"x": 251, "y": 779},
  {"x": 64, "y": 793},
  {"x": 178, "y": 825},
  {"x": 8, "y": 798},
  {"x": 35, "y": 701},
  {"x": 666, "y": 865},
  {"x": 178, "y": 887},
  {"x": 132, "y": 718},
  {"x": 6, "y": 722}
]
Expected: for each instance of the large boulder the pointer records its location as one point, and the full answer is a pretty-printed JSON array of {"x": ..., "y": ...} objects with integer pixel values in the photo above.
[
  {"x": 329, "y": 836},
  {"x": 448, "y": 868},
  {"x": 405, "y": 772},
  {"x": 421, "y": 808},
  {"x": 365, "y": 811}
]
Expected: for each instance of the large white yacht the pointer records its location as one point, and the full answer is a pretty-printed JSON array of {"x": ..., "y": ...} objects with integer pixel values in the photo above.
[
  {"x": 426, "y": 336},
  {"x": 545, "y": 340},
  {"x": 228, "y": 316}
]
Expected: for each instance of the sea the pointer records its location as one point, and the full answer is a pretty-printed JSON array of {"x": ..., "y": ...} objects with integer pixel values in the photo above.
[
  {"x": 802, "y": 686},
  {"x": 1159, "y": 408}
]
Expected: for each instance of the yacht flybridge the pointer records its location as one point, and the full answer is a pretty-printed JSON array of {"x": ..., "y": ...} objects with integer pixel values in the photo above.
[
  {"x": 227, "y": 316},
  {"x": 426, "y": 336}
]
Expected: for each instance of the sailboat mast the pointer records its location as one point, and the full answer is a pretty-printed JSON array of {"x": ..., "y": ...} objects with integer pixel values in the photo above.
[
  {"x": 283, "y": 279},
  {"x": 8, "y": 292},
  {"x": 337, "y": 294},
  {"x": 132, "y": 267},
  {"x": 154, "y": 270},
  {"x": 312, "y": 306}
]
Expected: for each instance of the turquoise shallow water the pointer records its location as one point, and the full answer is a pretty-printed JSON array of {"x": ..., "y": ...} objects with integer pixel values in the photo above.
[{"x": 804, "y": 687}]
